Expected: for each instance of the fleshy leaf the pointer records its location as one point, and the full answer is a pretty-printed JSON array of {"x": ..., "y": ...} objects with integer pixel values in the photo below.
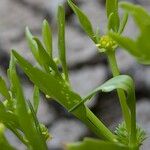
[
  {"x": 140, "y": 48},
  {"x": 141, "y": 16},
  {"x": 47, "y": 37},
  {"x": 144, "y": 46},
  {"x": 112, "y": 8},
  {"x": 61, "y": 40},
  {"x": 57, "y": 89},
  {"x": 126, "y": 43},
  {"x": 25, "y": 119},
  {"x": 125, "y": 83},
  {"x": 84, "y": 21},
  {"x": 122, "y": 82},
  {"x": 50, "y": 85},
  {"x": 94, "y": 144}
]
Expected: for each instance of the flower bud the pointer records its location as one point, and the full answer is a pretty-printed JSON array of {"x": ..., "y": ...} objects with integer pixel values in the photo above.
[
  {"x": 45, "y": 132},
  {"x": 106, "y": 43}
]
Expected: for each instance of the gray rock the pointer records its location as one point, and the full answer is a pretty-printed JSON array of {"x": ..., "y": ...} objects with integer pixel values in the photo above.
[
  {"x": 66, "y": 131},
  {"x": 79, "y": 48},
  {"x": 131, "y": 29},
  {"x": 141, "y": 76},
  {"x": 86, "y": 79},
  {"x": 109, "y": 110},
  {"x": 95, "y": 12},
  {"x": 39, "y": 3},
  {"x": 46, "y": 114},
  {"x": 143, "y": 118},
  {"x": 14, "y": 141},
  {"x": 125, "y": 61},
  {"x": 53, "y": 6},
  {"x": 144, "y": 2},
  {"x": 13, "y": 25}
]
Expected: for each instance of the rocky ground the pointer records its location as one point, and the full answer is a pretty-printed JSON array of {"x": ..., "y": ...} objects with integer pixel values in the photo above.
[{"x": 88, "y": 69}]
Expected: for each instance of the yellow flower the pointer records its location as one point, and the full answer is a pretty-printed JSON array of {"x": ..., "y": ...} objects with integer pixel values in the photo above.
[{"x": 106, "y": 43}]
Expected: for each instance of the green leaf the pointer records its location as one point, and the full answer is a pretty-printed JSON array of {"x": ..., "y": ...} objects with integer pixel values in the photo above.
[
  {"x": 57, "y": 89},
  {"x": 25, "y": 119},
  {"x": 49, "y": 84},
  {"x": 141, "y": 16},
  {"x": 46, "y": 60},
  {"x": 7, "y": 117},
  {"x": 126, "y": 43},
  {"x": 140, "y": 48},
  {"x": 112, "y": 8},
  {"x": 84, "y": 21},
  {"x": 36, "y": 98},
  {"x": 47, "y": 37},
  {"x": 110, "y": 21},
  {"x": 37, "y": 124},
  {"x": 94, "y": 144},
  {"x": 122, "y": 82},
  {"x": 144, "y": 46},
  {"x": 123, "y": 23},
  {"x": 32, "y": 45},
  {"x": 125, "y": 83},
  {"x": 3, "y": 89},
  {"x": 142, "y": 19},
  {"x": 61, "y": 40}
]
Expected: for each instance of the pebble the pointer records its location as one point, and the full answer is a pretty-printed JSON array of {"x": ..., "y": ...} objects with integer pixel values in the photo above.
[
  {"x": 87, "y": 79},
  {"x": 143, "y": 118},
  {"x": 46, "y": 113},
  {"x": 66, "y": 131}
]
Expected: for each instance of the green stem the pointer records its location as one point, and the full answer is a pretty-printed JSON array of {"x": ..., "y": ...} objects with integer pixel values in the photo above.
[
  {"x": 121, "y": 94},
  {"x": 94, "y": 123}
]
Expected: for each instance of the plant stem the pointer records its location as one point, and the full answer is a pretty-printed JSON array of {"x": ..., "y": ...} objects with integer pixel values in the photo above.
[
  {"x": 97, "y": 126},
  {"x": 121, "y": 94},
  {"x": 94, "y": 123}
]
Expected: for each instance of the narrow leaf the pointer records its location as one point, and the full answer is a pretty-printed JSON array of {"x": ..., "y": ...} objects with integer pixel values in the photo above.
[
  {"x": 141, "y": 16},
  {"x": 126, "y": 43},
  {"x": 84, "y": 21},
  {"x": 95, "y": 144},
  {"x": 50, "y": 85},
  {"x": 125, "y": 83},
  {"x": 46, "y": 61},
  {"x": 37, "y": 124},
  {"x": 32, "y": 45},
  {"x": 3, "y": 89},
  {"x": 123, "y": 22},
  {"x": 112, "y": 7},
  {"x": 47, "y": 37},
  {"x": 36, "y": 98},
  {"x": 25, "y": 119},
  {"x": 61, "y": 40}
]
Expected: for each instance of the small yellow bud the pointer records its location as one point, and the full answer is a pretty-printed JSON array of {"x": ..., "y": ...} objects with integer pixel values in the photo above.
[
  {"x": 106, "y": 43},
  {"x": 45, "y": 132},
  {"x": 47, "y": 96}
]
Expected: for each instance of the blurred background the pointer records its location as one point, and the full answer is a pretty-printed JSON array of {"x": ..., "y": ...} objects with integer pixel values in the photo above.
[{"x": 87, "y": 67}]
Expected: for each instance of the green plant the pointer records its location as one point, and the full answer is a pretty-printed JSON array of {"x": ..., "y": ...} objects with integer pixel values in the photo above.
[
  {"x": 15, "y": 112},
  {"x": 19, "y": 115}
]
